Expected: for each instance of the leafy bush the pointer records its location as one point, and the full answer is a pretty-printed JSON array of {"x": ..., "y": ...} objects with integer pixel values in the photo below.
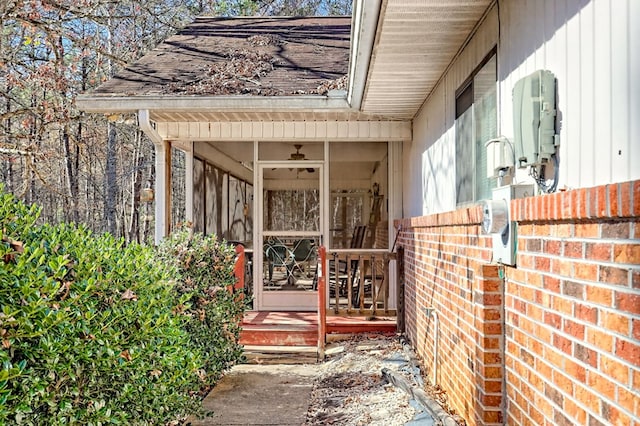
[
  {"x": 204, "y": 268},
  {"x": 95, "y": 332}
]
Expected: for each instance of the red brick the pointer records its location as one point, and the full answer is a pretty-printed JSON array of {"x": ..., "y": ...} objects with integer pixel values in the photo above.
[
  {"x": 562, "y": 343},
  {"x": 629, "y": 400},
  {"x": 614, "y": 415},
  {"x": 598, "y": 251},
  {"x": 613, "y": 275},
  {"x": 614, "y": 369},
  {"x": 615, "y": 322},
  {"x": 628, "y": 302},
  {"x": 626, "y": 253},
  {"x": 553, "y": 319},
  {"x": 574, "y": 329},
  {"x": 562, "y": 267},
  {"x": 601, "y": 207},
  {"x": 542, "y": 264},
  {"x": 600, "y": 295},
  {"x": 601, "y": 384},
  {"x": 580, "y": 203},
  {"x": 575, "y": 370},
  {"x": 551, "y": 284},
  {"x": 629, "y": 351},
  {"x": 587, "y": 230},
  {"x": 636, "y": 198},
  {"x": 563, "y": 305},
  {"x": 587, "y": 271},
  {"x": 575, "y": 412},
  {"x": 613, "y": 199},
  {"x": 572, "y": 249},
  {"x": 585, "y": 354},
  {"x": 553, "y": 247},
  {"x": 587, "y": 313},
  {"x": 588, "y": 398},
  {"x": 600, "y": 339},
  {"x": 564, "y": 383},
  {"x": 624, "y": 208},
  {"x": 619, "y": 230},
  {"x": 635, "y": 328}
]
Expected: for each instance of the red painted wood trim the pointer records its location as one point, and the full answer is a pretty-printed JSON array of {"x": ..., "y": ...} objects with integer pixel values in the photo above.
[
  {"x": 238, "y": 269},
  {"x": 322, "y": 301}
]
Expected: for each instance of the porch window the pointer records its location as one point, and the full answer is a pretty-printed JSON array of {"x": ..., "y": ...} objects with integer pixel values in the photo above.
[
  {"x": 221, "y": 202},
  {"x": 476, "y": 123}
]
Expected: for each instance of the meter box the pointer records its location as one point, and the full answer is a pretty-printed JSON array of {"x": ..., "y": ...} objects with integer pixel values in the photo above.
[
  {"x": 534, "y": 119},
  {"x": 496, "y": 220}
]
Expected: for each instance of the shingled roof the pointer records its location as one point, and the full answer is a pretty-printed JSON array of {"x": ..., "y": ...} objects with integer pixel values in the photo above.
[{"x": 272, "y": 56}]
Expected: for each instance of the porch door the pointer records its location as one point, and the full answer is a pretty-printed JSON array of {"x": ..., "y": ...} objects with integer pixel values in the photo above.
[{"x": 290, "y": 205}]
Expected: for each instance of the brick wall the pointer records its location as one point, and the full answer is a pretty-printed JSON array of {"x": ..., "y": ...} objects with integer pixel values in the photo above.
[
  {"x": 555, "y": 340},
  {"x": 573, "y": 309},
  {"x": 447, "y": 268}
]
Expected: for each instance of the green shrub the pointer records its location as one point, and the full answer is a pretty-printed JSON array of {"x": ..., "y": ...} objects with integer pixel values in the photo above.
[
  {"x": 89, "y": 328},
  {"x": 204, "y": 266}
]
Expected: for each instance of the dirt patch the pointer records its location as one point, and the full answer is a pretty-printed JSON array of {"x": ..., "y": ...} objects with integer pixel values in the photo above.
[{"x": 350, "y": 390}]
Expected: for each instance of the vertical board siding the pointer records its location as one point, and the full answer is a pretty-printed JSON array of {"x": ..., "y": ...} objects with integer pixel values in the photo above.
[{"x": 593, "y": 49}]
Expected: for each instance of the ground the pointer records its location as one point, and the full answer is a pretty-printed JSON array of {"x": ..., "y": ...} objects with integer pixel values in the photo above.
[{"x": 349, "y": 388}]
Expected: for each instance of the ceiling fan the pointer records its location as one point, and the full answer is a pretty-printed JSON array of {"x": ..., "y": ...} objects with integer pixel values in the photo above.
[{"x": 298, "y": 156}]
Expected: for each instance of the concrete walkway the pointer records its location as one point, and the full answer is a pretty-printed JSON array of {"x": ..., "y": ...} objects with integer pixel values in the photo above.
[{"x": 261, "y": 395}]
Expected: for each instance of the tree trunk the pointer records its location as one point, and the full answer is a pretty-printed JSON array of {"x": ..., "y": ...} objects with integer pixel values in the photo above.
[{"x": 111, "y": 184}]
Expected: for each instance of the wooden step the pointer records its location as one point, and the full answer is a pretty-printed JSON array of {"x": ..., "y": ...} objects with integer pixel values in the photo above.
[{"x": 279, "y": 335}]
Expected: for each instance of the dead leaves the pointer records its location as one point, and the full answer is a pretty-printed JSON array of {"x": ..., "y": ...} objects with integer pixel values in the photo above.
[{"x": 129, "y": 295}]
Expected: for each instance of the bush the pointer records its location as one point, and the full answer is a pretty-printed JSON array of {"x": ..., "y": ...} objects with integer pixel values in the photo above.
[
  {"x": 95, "y": 332},
  {"x": 204, "y": 267}
]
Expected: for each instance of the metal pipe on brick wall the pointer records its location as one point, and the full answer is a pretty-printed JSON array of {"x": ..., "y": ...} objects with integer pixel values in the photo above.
[{"x": 431, "y": 312}]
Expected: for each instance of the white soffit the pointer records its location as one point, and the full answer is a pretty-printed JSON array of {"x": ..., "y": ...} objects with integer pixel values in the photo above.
[{"x": 416, "y": 41}]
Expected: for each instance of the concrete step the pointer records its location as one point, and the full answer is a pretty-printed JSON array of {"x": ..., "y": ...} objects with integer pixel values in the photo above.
[{"x": 259, "y": 354}]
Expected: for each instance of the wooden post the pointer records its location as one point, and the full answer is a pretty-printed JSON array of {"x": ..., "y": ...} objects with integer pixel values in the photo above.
[
  {"x": 322, "y": 301},
  {"x": 238, "y": 269},
  {"x": 400, "y": 289}
]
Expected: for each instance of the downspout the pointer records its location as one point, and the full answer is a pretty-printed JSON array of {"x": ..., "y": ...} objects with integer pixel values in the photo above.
[
  {"x": 161, "y": 202},
  {"x": 431, "y": 312}
]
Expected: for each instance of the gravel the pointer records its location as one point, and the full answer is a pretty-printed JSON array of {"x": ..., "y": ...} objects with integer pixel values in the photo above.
[{"x": 350, "y": 389}]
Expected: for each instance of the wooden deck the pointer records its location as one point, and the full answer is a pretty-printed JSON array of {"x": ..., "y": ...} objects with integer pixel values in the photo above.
[{"x": 301, "y": 328}]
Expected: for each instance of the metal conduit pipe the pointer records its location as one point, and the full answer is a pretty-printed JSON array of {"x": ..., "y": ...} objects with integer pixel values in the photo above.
[{"x": 431, "y": 312}]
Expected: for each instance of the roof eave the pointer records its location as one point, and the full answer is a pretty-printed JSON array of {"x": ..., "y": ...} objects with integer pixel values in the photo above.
[
  {"x": 363, "y": 32},
  {"x": 130, "y": 104}
]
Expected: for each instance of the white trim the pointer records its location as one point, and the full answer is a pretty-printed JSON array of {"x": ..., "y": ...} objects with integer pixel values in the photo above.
[
  {"x": 363, "y": 33},
  {"x": 352, "y": 131},
  {"x": 282, "y": 300},
  {"x": 188, "y": 182}
]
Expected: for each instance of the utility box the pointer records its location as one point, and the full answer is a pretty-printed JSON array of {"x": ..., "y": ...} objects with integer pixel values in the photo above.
[
  {"x": 534, "y": 119},
  {"x": 497, "y": 221}
]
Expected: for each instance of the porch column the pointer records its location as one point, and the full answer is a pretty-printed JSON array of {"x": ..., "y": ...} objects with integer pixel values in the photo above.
[
  {"x": 188, "y": 182},
  {"x": 163, "y": 176}
]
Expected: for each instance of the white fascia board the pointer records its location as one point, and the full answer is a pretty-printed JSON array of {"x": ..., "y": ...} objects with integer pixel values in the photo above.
[
  {"x": 363, "y": 35},
  {"x": 127, "y": 104}
]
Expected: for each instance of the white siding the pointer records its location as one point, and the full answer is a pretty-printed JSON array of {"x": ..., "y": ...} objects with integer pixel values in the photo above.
[
  {"x": 431, "y": 155},
  {"x": 592, "y": 47}
]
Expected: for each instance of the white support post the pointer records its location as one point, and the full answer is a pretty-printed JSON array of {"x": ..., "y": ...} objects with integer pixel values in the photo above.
[
  {"x": 161, "y": 174},
  {"x": 189, "y": 184}
]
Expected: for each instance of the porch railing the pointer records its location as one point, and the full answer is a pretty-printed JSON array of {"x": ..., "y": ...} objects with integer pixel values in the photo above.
[{"x": 358, "y": 281}]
